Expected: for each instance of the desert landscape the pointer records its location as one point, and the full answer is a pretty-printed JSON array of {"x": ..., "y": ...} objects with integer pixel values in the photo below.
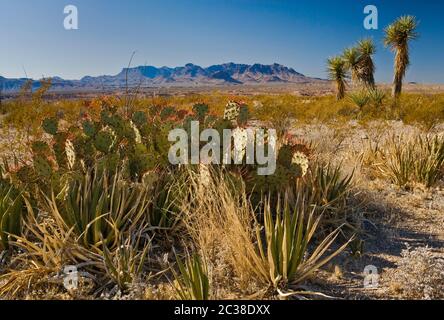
[{"x": 92, "y": 207}]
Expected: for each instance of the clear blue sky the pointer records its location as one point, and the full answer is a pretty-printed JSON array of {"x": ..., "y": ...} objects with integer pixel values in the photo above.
[{"x": 300, "y": 34}]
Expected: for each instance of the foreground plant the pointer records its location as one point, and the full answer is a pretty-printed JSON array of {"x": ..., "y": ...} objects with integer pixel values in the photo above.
[
  {"x": 327, "y": 187},
  {"x": 100, "y": 207},
  {"x": 11, "y": 212},
  {"x": 280, "y": 255},
  {"x": 42, "y": 255},
  {"x": 284, "y": 254},
  {"x": 125, "y": 264},
  {"x": 192, "y": 282}
]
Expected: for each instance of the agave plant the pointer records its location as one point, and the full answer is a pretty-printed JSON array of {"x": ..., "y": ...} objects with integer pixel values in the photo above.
[
  {"x": 100, "y": 207},
  {"x": 397, "y": 37},
  {"x": 337, "y": 71},
  {"x": 192, "y": 282}
]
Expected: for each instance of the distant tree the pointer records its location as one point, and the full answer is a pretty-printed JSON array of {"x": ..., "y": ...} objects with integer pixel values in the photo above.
[
  {"x": 337, "y": 71},
  {"x": 397, "y": 37}
]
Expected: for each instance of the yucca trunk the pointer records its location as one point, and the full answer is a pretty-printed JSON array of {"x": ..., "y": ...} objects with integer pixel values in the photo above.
[
  {"x": 340, "y": 90},
  {"x": 401, "y": 63},
  {"x": 368, "y": 73}
]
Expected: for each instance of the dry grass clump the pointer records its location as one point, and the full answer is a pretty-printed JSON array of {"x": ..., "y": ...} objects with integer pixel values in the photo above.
[
  {"x": 419, "y": 274},
  {"x": 274, "y": 256}
]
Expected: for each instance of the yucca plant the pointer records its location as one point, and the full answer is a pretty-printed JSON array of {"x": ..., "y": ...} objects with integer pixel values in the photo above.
[
  {"x": 191, "y": 283},
  {"x": 42, "y": 253},
  {"x": 351, "y": 57},
  {"x": 377, "y": 97},
  {"x": 360, "y": 98},
  {"x": 101, "y": 207},
  {"x": 400, "y": 163},
  {"x": 125, "y": 264},
  {"x": 328, "y": 185},
  {"x": 167, "y": 195},
  {"x": 284, "y": 252},
  {"x": 337, "y": 72},
  {"x": 397, "y": 37},
  {"x": 366, "y": 66},
  {"x": 417, "y": 160},
  {"x": 429, "y": 167},
  {"x": 11, "y": 212}
]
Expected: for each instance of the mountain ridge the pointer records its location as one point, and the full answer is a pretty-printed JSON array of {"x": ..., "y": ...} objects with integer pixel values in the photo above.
[{"x": 188, "y": 75}]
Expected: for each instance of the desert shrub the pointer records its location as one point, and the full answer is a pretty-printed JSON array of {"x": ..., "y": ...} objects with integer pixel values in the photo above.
[
  {"x": 425, "y": 110},
  {"x": 191, "y": 282}
]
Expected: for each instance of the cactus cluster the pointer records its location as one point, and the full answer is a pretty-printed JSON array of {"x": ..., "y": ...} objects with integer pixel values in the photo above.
[{"x": 135, "y": 145}]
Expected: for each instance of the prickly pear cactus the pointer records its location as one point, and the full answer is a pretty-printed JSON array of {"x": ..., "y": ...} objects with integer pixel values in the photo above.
[
  {"x": 42, "y": 167},
  {"x": 26, "y": 174},
  {"x": 50, "y": 125},
  {"x": 139, "y": 118},
  {"x": 140, "y": 161},
  {"x": 166, "y": 113},
  {"x": 104, "y": 141},
  {"x": 89, "y": 128},
  {"x": 41, "y": 148},
  {"x": 243, "y": 115},
  {"x": 200, "y": 110}
]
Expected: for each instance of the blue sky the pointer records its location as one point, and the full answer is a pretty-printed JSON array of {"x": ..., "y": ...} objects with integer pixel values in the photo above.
[{"x": 300, "y": 34}]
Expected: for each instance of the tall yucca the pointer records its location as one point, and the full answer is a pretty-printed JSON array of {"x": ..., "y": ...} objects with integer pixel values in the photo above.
[
  {"x": 351, "y": 57},
  {"x": 366, "y": 67},
  {"x": 397, "y": 37},
  {"x": 337, "y": 71}
]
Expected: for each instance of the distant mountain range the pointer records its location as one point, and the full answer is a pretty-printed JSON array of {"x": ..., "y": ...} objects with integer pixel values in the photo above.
[{"x": 186, "y": 76}]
